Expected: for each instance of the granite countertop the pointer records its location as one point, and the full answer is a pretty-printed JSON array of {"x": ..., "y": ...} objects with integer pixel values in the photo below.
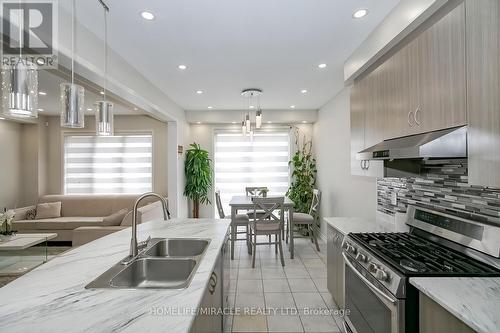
[
  {"x": 381, "y": 223},
  {"x": 52, "y": 298},
  {"x": 475, "y": 301}
]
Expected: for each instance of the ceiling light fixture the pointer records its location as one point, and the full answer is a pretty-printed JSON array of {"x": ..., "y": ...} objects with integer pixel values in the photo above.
[
  {"x": 72, "y": 95},
  {"x": 233, "y": 122},
  {"x": 198, "y": 122},
  {"x": 136, "y": 109},
  {"x": 182, "y": 67},
  {"x": 42, "y": 93},
  {"x": 2, "y": 118},
  {"x": 40, "y": 110},
  {"x": 89, "y": 109},
  {"x": 104, "y": 109},
  {"x": 20, "y": 88},
  {"x": 322, "y": 66},
  {"x": 209, "y": 107},
  {"x": 360, "y": 13},
  {"x": 199, "y": 92},
  {"x": 250, "y": 94},
  {"x": 147, "y": 15},
  {"x": 304, "y": 91},
  {"x": 304, "y": 121},
  {"x": 292, "y": 106}
]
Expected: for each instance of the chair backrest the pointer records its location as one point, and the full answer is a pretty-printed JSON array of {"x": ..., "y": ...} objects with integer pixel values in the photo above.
[
  {"x": 314, "y": 210},
  {"x": 271, "y": 210},
  {"x": 219, "y": 204},
  {"x": 256, "y": 191}
]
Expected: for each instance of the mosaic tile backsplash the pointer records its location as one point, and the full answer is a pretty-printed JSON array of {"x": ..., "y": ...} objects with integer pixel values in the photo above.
[{"x": 442, "y": 187}]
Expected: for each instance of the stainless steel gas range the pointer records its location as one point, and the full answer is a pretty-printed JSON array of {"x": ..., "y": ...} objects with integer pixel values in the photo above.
[{"x": 378, "y": 266}]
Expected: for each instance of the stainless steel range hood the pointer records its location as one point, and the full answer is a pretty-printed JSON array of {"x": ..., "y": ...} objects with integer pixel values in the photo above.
[{"x": 448, "y": 143}]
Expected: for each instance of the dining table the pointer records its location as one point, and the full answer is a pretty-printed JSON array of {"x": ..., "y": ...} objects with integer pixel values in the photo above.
[{"x": 244, "y": 202}]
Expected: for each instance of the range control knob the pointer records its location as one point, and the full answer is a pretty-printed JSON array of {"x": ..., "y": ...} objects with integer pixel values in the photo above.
[
  {"x": 351, "y": 249},
  {"x": 381, "y": 275},
  {"x": 361, "y": 257},
  {"x": 372, "y": 267}
]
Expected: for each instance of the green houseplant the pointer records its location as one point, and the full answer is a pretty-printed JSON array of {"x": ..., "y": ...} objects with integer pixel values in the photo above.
[
  {"x": 303, "y": 175},
  {"x": 198, "y": 172}
]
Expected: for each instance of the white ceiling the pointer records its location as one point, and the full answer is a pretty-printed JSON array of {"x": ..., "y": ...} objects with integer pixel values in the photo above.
[{"x": 229, "y": 45}]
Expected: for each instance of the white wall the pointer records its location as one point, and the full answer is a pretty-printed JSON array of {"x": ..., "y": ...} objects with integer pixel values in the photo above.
[
  {"x": 10, "y": 165},
  {"x": 342, "y": 194}
]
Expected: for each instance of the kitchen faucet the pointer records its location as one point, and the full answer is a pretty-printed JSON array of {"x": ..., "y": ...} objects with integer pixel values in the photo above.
[{"x": 134, "y": 246}]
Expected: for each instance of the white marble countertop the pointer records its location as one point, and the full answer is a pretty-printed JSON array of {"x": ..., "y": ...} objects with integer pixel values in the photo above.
[
  {"x": 382, "y": 223},
  {"x": 475, "y": 301},
  {"x": 52, "y": 298}
]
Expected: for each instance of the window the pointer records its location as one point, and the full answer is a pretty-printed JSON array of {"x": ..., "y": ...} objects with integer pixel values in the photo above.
[
  {"x": 120, "y": 164},
  {"x": 241, "y": 162}
]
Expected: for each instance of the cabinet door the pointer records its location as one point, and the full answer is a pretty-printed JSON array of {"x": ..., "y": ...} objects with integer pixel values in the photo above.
[
  {"x": 357, "y": 126},
  {"x": 483, "y": 91},
  {"x": 404, "y": 73},
  {"x": 441, "y": 80},
  {"x": 335, "y": 267}
]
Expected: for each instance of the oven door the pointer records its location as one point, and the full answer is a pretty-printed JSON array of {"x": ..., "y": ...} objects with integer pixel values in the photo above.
[{"x": 371, "y": 308}]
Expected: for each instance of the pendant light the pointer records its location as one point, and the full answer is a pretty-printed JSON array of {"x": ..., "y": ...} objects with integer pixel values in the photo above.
[
  {"x": 104, "y": 109},
  {"x": 248, "y": 123},
  {"x": 243, "y": 128},
  {"x": 72, "y": 95},
  {"x": 258, "y": 119},
  {"x": 250, "y": 94},
  {"x": 20, "y": 86}
]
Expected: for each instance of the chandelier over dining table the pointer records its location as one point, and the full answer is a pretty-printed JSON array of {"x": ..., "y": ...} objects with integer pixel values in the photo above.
[{"x": 253, "y": 98}]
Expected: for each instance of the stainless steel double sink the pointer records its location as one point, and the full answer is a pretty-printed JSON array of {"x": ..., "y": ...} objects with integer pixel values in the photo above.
[{"x": 165, "y": 263}]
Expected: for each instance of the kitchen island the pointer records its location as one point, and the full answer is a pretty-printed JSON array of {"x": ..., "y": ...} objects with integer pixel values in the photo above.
[{"x": 53, "y": 298}]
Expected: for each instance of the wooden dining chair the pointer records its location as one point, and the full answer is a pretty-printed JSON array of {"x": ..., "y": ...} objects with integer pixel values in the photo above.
[
  {"x": 256, "y": 191},
  {"x": 309, "y": 219},
  {"x": 270, "y": 223},
  {"x": 241, "y": 220}
]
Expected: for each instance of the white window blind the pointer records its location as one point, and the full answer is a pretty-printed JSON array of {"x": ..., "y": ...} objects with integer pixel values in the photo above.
[
  {"x": 241, "y": 162},
  {"x": 108, "y": 165}
]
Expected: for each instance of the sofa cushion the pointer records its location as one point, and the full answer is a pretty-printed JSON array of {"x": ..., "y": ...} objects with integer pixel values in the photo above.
[
  {"x": 60, "y": 223},
  {"x": 31, "y": 214},
  {"x": 115, "y": 218},
  {"x": 48, "y": 210}
]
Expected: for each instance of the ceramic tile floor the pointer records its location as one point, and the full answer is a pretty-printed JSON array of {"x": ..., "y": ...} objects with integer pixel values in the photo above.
[{"x": 270, "y": 298}]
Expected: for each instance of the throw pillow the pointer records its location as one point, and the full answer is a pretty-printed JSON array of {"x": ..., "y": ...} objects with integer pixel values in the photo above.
[
  {"x": 48, "y": 210},
  {"x": 115, "y": 218},
  {"x": 31, "y": 214}
]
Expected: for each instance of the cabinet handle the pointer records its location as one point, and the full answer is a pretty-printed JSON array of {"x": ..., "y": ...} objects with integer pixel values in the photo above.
[
  {"x": 367, "y": 164},
  {"x": 417, "y": 111},
  {"x": 213, "y": 283},
  {"x": 409, "y": 118},
  {"x": 362, "y": 164}
]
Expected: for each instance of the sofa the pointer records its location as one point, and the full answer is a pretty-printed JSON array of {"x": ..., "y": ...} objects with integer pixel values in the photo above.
[{"x": 81, "y": 219}]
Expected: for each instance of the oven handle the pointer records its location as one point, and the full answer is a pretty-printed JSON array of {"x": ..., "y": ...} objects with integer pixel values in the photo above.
[{"x": 367, "y": 282}]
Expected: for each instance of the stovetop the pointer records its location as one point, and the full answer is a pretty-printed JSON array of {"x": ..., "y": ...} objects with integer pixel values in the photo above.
[{"x": 413, "y": 255}]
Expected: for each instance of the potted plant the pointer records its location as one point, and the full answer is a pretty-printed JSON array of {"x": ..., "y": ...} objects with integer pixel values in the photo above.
[
  {"x": 198, "y": 172},
  {"x": 303, "y": 176},
  {"x": 6, "y": 219}
]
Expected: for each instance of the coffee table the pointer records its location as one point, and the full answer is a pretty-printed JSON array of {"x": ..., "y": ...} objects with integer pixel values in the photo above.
[{"x": 18, "y": 253}]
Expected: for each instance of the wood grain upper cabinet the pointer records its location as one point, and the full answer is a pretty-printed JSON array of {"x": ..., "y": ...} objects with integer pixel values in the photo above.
[
  {"x": 483, "y": 91},
  {"x": 357, "y": 126},
  {"x": 441, "y": 74}
]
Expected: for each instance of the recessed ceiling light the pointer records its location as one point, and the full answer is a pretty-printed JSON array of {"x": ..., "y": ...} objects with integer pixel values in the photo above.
[
  {"x": 210, "y": 107},
  {"x": 147, "y": 15},
  {"x": 322, "y": 66},
  {"x": 304, "y": 91},
  {"x": 304, "y": 121},
  {"x": 269, "y": 122},
  {"x": 198, "y": 122},
  {"x": 42, "y": 93},
  {"x": 40, "y": 110},
  {"x": 136, "y": 109},
  {"x": 2, "y": 118},
  {"x": 182, "y": 67},
  {"x": 251, "y": 106},
  {"x": 360, "y": 13},
  {"x": 292, "y": 106},
  {"x": 102, "y": 92},
  {"x": 89, "y": 109},
  {"x": 233, "y": 122},
  {"x": 199, "y": 92}
]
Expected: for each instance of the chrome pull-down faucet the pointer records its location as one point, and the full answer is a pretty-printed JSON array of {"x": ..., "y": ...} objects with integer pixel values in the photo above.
[{"x": 134, "y": 248}]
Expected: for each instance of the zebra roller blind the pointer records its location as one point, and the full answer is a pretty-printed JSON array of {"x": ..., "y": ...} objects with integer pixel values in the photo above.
[
  {"x": 241, "y": 162},
  {"x": 121, "y": 164}
]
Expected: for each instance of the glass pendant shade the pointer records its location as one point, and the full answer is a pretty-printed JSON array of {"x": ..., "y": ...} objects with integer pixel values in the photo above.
[
  {"x": 20, "y": 90},
  {"x": 248, "y": 123},
  {"x": 243, "y": 128},
  {"x": 72, "y": 105},
  {"x": 104, "y": 118},
  {"x": 258, "y": 119}
]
